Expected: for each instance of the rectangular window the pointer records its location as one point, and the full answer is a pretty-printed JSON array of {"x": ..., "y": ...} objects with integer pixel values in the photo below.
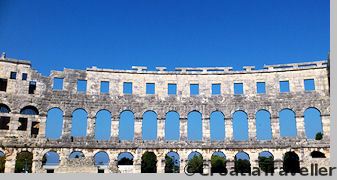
[
  {"x": 58, "y": 84},
  {"x": 284, "y": 86},
  {"x": 81, "y": 86},
  {"x": 194, "y": 89},
  {"x": 309, "y": 84},
  {"x": 32, "y": 87},
  {"x": 35, "y": 129},
  {"x": 261, "y": 88},
  {"x": 127, "y": 88},
  {"x": 150, "y": 88},
  {"x": 3, "y": 84},
  {"x": 4, "y": 121},
  {"x": 105, "y": 87},
  {"x": 13, "y": 75},
  {"x": 50, "y": 170},
  {"x": 216, "y": 89},
  {"x": 23, "y": 124},
  {"x": 24, "y": 76},
  {"x": 238, "y": 88},
  {"x": 172, "y": 89}
]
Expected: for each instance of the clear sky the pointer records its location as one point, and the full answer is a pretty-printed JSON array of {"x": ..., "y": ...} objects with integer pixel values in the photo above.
[
  {"x": 118, "y": 34},
  {"x": 172, "y": 33}
]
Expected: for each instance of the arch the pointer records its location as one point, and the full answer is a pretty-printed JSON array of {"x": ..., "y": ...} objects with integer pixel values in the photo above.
[
  {"x": 79, "y": 123},
  {"x": 217, "y": 126},
  {"x": 101, "y": 158},
  {"x": 317, "y": 154},
  {"x": 4, "y": 108},
  {"x": 23, "y": 162},
  {"x": 76, "y": 155},
  {"x": 149, "y": 163},
  {"x": 242, "y": 162},
  {"x": 287, "y": 123},
  {"x": 126, "y": 125},
  {"x": 125, "y": 158},
  {"x": 291, "y": 162},
  {"x": 195, "y": 162},
  {"x": 29, "y": 110},
  {"x": 103, "y": 125},
  {"x": 172, "y": 162},
  {"x": 51, "y": 158},
  {"x": 218, "y": 162},
  {"x": 263, "y": 125},
  {"x": 172, "y": 126},
  {"x": 149, "y": 125},
  {"x": 240, "y": 126},
  {"x": 266, "y": 161},
  {"x": 194, "y": 126},
  {"x": 54, "y": 123},
  {"x": 2, "y": 162},
  {"x": 312, "y": 122}
]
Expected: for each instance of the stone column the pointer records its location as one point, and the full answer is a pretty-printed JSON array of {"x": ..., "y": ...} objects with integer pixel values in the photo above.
[
  {"x": 161, "y": 128},
  {"x": 206, "y": 166},
  {"x": 300, "y": 126},
  {"x": 206, "y": 132},
  {"x": 91, "y": 127},
  {"x": 10, "y": 160},
  {"x": 115, "y": 129},
  {"x": 161, "y": 165},
  {"x": 138, "y": 129},
  {"x": 326, "y": 126},
  {"x": 229, "y": 129},
  {"x": 42, "y": 126},
  {"x": 182, "y": 165},
  {"x": 230, "y": 165},
  {"x": 67, "y": 126},
  {"x": 251, "y": 128},
  {"x": 137, "y": 161},
  {"x": 183, "y": 128},
  {"x": 275, "y": 127},
  {"x": 278, "y": 164}
]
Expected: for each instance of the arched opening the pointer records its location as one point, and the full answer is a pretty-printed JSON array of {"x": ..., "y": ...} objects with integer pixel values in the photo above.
[
  {"x": 312, "y": 122},
  {"x": 263, "y": 125},
  {"x": 101, "y": 159},
  {"x": 172, "y": 126},
  {"x": 149, "y": 163},
  {"x": 242, "y": 163},
  {"x": 287, "y": 123},
  {"x": 103, "y": 125},
  {"x": 218, "y": 162},
  {"x": 240, "y": 126},
  {"x": 51, "y": 160},
  {"x": 125, "y": 162},
  {"x": 291, "y": 162},
  {"x": 4, "y": 108},
  {"x": 317, "y": 154},
  {"x": 2, "y": 162},
  {"x": 172, "y": 162},
  {"x": 126, "y": 125},
  {"x": 76, "y": 155},
  {"x": 195, "y": 163},
  {"x": 194, "y": 126},
  {"x": 23, "y": 163},
  {"x": 54, "y": 123},
  {"x": 217, "y": 126},
  {"x": 79, "y": 123},
  {"x": 149, "y": 126},
  {"x": 29, "y": 110},
  {"x": 266, "y": 162}
]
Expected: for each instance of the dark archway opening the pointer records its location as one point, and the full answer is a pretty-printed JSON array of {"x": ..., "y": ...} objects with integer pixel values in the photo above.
[
  {"x": 242, "y": 163},
  {"x": 172, "y": 162},
  {"x": 266, "y": 162},
  {"x": 2, "y": 162},
  {"x": 195, "y": 163},
  {"x": 291, "y": 162},
  {"x": 149, "y": 163},
  {"x": 317, "y": 154},
  {"x": 23, "y": 163},
  {"x": 218, "y": 163}
]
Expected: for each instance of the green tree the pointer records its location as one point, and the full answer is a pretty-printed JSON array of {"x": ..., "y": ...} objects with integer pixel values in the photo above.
[
  {"x": 319, "y": 136},
  {"x": 242, "y": 166},
  {"x": 149, "y": 163},
  {"x": 266, "y": 164},
  {"x": 170, "y": 165},
  {"x": 218, "y": 164},
  {"x": 125, "y": 161},
  {"x": 2, "y": 163},
  {"x": 23, "y": 159},
  {"x": 195, "y": 164}
]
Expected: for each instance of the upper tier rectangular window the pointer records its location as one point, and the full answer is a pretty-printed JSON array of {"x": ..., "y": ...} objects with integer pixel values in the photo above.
[
  {"x": 172, "y": 89},
  {"x": 127, "y": 88},
  {"x": 104, "y": 87},
  {"x": 284, "y": 86},
  {"x": 238, "y": 88},
  {"x": 3, "y": 84},
  {"x": 309, "y": 84},
  {"x": 81, "y": 86},
  {"x": 261, "y": 87},
  {"x": 194, "y": 89},
  {"x": 58, "y": 84},
  {"x": 216, "y": 89},
  {"x": 13, "y": 75},
  {"x": 150, "y": 88}
]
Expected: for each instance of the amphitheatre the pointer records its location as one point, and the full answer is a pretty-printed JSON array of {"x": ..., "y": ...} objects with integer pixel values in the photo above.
[{"x": 27, "y": 98}]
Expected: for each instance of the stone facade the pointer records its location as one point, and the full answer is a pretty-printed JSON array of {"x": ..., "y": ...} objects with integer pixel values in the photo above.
[{"x": 16, "y": 96}]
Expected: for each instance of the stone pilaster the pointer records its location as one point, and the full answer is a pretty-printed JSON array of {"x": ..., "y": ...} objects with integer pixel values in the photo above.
[
  {"x": 42, "y": 126},
  {"x": 115, "y": 128},
  {"x": 300, "y": 126},
  {"x": 91, "y": 127},
  {"x": 138, "y": 129},
  {"x": 251, "y": 128},
  {"x": 275, "y": 127},
  {"x": 206, "y": 132},
  {"x": 183, "y": 128},
  {"x": 161, "y": 128},
  {"x": 228, "y": 129},
  {"x": 67, "y": 126},
  {"x": 326, "y": 126}
]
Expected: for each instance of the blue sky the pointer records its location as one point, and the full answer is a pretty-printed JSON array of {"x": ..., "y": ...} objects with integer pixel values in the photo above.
[{"x": 119, "y": 34}]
